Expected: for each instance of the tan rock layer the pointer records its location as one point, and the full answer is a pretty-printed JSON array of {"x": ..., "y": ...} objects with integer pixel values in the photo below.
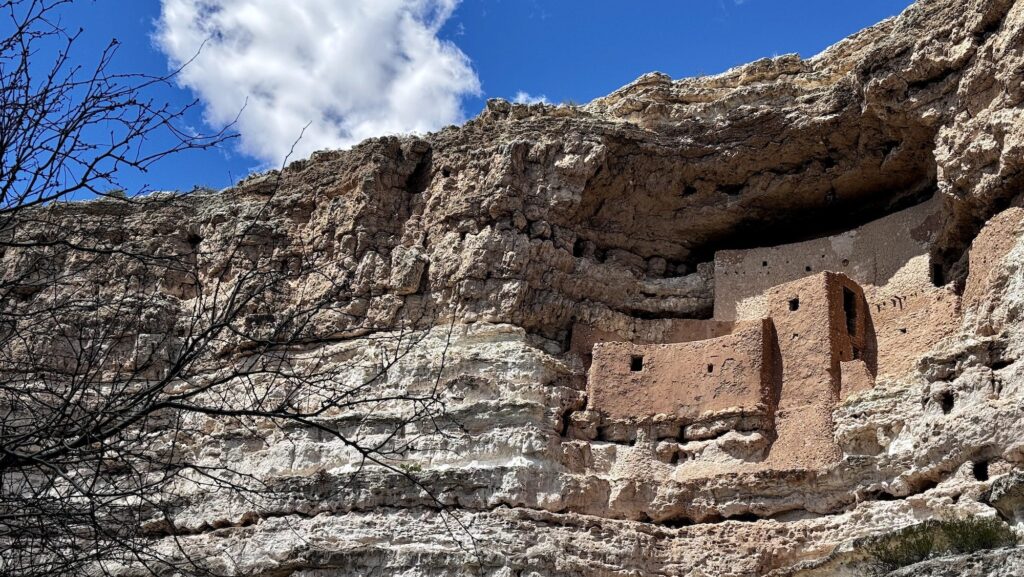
[{"x": 530, "y": 219}]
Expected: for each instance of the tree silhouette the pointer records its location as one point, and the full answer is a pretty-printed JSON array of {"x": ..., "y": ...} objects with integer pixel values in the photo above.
[{"x": 117, "y": 348}]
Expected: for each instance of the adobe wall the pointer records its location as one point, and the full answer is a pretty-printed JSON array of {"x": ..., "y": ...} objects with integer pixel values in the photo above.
[
  {"x": 872, "y": 254},
  {"x": 814, "y": 339},
  {"x": 855, "y": 378},
  {"x": 989, "y": 248},
  {"x": 641, "y": 332},
  {"x": 787, "y": 371},
  {"x": 816, "y": 332},
  {"x": 907, "y": 326},
  {"x": 686, "y": 380},
  {"x": 909, "y": 323}
]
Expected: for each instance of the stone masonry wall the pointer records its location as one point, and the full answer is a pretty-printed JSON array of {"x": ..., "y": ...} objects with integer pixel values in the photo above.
[
  {"x": 686, "y": 380},
  {"x": 585, "y": 335},
  {"x": 987, "y": 251},
  {"x": 528, "y": 218},
  {"x": 872, "y": 254},
  {"x": 787, "y": 369},
  {"x": 905, "y": 327},
  {"x": 813, "y": 339}
]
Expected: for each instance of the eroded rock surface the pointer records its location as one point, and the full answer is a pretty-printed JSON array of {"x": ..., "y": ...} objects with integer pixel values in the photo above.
[{"x": 507, "y": 232}]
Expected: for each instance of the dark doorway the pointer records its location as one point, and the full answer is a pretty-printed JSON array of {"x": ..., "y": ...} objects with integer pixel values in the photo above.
[{"x": 938, "y": 274}]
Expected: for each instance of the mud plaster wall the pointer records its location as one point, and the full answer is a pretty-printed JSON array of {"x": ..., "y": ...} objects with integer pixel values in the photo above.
[
  {"x": 585, "y": 336},
  {"x": 787, "y": 370},
  {"x": 686, "y": 380},
  {"x": 855, "y": 377},
  {"x": 908, "y": 326},
  {"x": 811, "y": 324},
  {"x": 872, "y": 254},
  {"x": 989, "y": 248}
]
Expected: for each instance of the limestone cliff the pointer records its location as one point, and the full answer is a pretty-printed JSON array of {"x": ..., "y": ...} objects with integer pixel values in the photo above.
[{"x": 511, "y": 231}]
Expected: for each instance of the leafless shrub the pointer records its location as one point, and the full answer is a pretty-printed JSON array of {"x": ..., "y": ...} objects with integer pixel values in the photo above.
[{"x": 116, "y": 351}]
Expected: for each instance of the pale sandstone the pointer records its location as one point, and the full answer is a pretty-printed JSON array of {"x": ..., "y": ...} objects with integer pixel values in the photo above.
[{"x": 531, "y": 220}]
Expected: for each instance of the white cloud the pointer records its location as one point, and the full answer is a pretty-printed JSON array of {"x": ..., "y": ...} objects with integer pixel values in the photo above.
[
  {"x": 523, "y": 97},
  {"x": 352, "y": 69}
]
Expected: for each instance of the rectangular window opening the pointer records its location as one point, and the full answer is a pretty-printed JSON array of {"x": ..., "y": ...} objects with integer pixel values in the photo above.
[
  {"x": 794, "y": 304},
  {"x": 938, "y": 275},
  {"x": 711, "y": 368},
  {"x": 850, "y": 308},
  {"x": 636, "y": 363}
]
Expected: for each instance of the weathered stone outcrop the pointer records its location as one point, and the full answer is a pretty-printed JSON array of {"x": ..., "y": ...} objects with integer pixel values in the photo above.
[{"x": 529, "y": 220}]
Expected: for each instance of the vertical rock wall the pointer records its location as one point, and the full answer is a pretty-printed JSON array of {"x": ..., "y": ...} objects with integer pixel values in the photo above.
[{"x": 528, "y": 220}]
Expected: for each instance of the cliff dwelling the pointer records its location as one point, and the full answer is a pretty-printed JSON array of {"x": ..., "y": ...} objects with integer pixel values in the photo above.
[
  {"x": 712, "y": 326},
  {"x": 797, "y": 329}
]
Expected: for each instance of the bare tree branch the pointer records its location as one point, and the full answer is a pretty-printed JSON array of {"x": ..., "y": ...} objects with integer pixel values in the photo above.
[{"x": 116, "y": 350}]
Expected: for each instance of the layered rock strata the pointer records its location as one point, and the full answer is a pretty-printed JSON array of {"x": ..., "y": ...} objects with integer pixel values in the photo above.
[{"x": 496, "y": 238}]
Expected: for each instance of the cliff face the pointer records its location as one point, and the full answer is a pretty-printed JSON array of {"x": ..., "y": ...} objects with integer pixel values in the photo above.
[
  {"x": 533, "y": 214},
  {"x": 528, "y": 221}
]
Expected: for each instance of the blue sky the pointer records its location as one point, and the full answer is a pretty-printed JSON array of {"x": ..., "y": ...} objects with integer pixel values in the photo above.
[{"x": 436, "y": 68}]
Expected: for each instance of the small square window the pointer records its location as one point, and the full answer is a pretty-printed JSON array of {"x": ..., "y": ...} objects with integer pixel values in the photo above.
[
  {"x": 807, "y": 268},
  {"x": 636, "y": 363},
  {"x": 794, "y": 304},
  {"x": 764, "y": 263}
]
